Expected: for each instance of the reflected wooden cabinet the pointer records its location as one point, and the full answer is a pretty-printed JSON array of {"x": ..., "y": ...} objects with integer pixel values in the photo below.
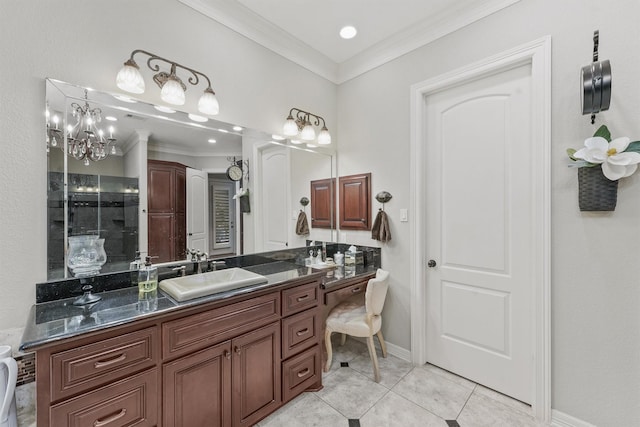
[
  {"x": 355, "y": 202},
  {"x": 323, "y": 203},
  {"x": 167, "y": 201}
]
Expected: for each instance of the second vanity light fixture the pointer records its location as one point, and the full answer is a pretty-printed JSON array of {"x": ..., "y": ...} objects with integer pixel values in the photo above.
[
  {"x": 302, "y": 123},
  {"x": 172, "y": 87}
]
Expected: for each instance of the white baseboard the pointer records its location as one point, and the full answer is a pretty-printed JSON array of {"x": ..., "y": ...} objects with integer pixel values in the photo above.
[
  {"x": 560, "y": 419},
  {"x": 399, "y": 352}
]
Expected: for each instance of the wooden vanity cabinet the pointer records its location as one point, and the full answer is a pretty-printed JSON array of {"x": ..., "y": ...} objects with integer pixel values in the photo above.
[{"x": 226, "y": 363}]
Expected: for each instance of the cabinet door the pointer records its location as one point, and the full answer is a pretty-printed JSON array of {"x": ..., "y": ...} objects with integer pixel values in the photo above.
[
  {"x": 197, "y": 389},
  {"x": 161, "y": 188},
  {"x": 323, "y": 203},
  {"x": 256, "y": 375},
  {"x": 161, "y": 239},
  {"x": 355, "y": 202}
]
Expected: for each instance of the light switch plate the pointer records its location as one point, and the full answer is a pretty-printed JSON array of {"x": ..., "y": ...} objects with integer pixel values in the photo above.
[{"x": 404, "y": 215}]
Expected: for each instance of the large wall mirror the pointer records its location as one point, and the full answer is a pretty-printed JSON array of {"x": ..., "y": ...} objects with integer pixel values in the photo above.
[{"x": 114, "y": 199}]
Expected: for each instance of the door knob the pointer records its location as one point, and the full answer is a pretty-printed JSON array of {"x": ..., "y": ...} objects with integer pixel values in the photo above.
[{"x": 431, "y": 263}]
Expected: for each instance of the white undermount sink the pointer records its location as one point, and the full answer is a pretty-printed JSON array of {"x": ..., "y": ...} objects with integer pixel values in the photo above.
[{"x": 199, "y": 285}]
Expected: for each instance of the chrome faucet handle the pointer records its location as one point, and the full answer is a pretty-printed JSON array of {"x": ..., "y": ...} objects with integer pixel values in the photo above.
[{"x": 181, "y": 271}]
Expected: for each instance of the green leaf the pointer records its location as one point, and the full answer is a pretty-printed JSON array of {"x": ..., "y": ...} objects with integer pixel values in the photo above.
[
  {"x": 603, "y": 131},
  {"x": 634, "y": 147},
  {"x": 571, "y": 152}
]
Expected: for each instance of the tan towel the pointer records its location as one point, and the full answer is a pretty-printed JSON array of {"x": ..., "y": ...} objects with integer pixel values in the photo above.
[
  {"x": 302, "y": 226},
  {"x": 381, "y": 230}
]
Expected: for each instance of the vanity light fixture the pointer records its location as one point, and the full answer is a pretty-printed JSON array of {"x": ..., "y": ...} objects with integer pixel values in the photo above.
[
  {"x": 172, "y": 87},
  {"x": 85, "y": 141},
  {"x": 164, "y": 109},
  {"x": 303, "y": 124}
]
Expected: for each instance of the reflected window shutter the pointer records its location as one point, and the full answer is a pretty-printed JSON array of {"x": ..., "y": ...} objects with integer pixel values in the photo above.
[{"x": 222, "y": 222}]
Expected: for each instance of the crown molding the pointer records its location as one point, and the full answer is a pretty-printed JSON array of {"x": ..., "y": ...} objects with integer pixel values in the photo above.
[
  {"x": 418, "y": 35},
  {"x": 160, "y": 148},
  {"x": 242, "y": 20}
]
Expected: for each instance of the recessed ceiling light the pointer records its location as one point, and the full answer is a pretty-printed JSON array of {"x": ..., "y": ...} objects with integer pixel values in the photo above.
[
  {"x": 111, "y": 118},
  {"x": 237, "y": 128},
  {"x": 212, "y": 141},
  {"x": 295, "y": 141},
  {"x": 164, "y": 109},
  {"x": 125, "y": 99},
  {"x": 277, "y": 137},
  {"x": 348, "y": 32},
  {"x": 197, "y": 118},
  {"x": 223, "y": 130}
]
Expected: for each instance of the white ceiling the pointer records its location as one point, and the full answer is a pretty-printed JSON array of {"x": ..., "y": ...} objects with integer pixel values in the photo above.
[{"x": 306, "y": 31}]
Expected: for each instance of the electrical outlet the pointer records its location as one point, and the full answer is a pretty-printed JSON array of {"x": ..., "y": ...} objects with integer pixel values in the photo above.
[{"x": 343, "y": 237}]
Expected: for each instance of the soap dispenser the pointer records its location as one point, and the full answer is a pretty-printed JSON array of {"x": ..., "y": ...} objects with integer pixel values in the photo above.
[
  {"x": 148, "y": 277},
  {"x": 136, "y": 263}
]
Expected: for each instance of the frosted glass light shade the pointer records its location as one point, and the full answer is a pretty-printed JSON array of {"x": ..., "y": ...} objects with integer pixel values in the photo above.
[
  {"x": 324, "y": 137},
  {"x": 172, "y": 92},
  {"x": 308, "y": 133},
  {"x": 129, "y": 78},
  {"x": 208, "y": 103},
  {"x": 290, "y": 127}
]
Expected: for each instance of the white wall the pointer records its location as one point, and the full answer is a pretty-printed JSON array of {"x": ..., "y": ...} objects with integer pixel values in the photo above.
[
  {"x": 595, "y": 268},
  {"x": 86, "y": 43},
  {"x": 595, "y": 289}
]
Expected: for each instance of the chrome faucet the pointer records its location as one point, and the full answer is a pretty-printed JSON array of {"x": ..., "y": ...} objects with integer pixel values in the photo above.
[{"x": 213, "y": 264}]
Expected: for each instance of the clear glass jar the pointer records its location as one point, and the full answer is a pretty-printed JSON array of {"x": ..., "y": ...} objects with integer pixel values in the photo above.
[{"x": 86, "y": 255}]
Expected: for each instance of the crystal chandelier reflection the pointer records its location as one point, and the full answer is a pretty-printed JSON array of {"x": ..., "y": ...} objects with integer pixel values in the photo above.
[{"x": 85, "y": 141}]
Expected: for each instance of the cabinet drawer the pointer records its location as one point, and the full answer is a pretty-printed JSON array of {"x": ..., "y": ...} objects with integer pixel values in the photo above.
[
  {"x": 79, "y": 369},
  {"x": 128, "y": 402},
  {"x": 333, "y": 297},
  {"x": 301, "y": 372},
  {"x": 201, "y": 330},
  {"x": 299, "y": 332},
  {"x": 300, "y": 298}
]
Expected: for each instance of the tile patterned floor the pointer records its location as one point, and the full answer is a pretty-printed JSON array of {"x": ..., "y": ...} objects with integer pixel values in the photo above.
[{"x": 424, "y": 396}]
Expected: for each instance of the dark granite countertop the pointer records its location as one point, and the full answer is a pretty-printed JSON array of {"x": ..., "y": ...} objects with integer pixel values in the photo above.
[{"x": 60, "y": 319}]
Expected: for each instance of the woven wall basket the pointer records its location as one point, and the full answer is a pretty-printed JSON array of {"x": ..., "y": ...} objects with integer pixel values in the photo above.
[{"x": 595, "y": 191}]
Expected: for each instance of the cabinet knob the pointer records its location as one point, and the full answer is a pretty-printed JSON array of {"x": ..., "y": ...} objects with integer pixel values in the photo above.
[
  {"x": 237, "y": 350},
  {"x": 227, "y": 354}
]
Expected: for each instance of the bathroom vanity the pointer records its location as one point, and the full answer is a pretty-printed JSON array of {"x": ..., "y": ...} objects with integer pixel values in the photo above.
[{"x": 233, "y": 357}]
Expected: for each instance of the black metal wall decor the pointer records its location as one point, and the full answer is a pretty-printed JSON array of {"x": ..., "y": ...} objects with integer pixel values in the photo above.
[{"x": 595, "y": 79}]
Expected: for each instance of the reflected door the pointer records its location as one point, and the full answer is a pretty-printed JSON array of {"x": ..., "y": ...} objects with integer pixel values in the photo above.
[
  {"x": 274, "y": 199},
  {"x": 197, "y": 211}
]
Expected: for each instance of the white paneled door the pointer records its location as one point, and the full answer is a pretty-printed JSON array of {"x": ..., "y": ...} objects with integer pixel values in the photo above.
[
  {"x": 197, "y": 210},
  {"x": 479, "y": 239},
  {"x": 276, "y": 223}
]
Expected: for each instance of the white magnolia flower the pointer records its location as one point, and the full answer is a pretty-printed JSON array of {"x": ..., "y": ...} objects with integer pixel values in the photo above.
[{"x": 615, "y": 162}]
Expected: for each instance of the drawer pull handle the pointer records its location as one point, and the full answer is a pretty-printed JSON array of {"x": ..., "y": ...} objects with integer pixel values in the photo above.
[
  {"x": 303, "y": 373},
  {"x": 227, "y": 354},
  {"x": 302, "y": 298},
  {"x": 302, "y": 332},
  {"x": 110, "y": 419},
  {"x": 355, "y": 290},
  {"x": 103, "y": 363}
]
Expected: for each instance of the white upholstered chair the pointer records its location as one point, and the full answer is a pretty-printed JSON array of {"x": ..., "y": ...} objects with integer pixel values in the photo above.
[{"x": 361, "y": 320}]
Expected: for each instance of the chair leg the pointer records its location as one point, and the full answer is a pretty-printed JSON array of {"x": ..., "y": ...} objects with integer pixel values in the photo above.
[
  {"x": 374, "y": 358},
  {"x": 327, "y": 343},
  {"x": 383, "y": 345},
  {"x": 343, "y": 339}
]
